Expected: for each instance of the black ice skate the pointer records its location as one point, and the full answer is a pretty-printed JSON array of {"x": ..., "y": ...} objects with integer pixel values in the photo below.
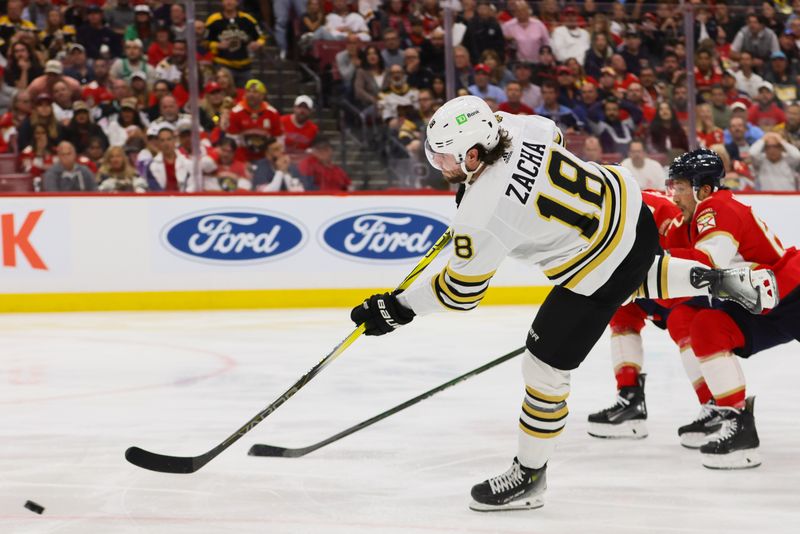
[
  {"x": 519, "y": 488},
  {"x": 701, "y": 430},
  {"x": 755, "y": 291},
  {"x": 735, "y": 445},
  {"x": 626, "y": 419}
]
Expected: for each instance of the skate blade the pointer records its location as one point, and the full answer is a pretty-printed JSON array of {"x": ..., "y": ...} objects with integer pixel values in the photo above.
[
  {"x": 744, "y": 459},
  {"x": 636, "y": 429},
  {"x": 695, "y": 440},
  {"x": 526, "y": 503}
]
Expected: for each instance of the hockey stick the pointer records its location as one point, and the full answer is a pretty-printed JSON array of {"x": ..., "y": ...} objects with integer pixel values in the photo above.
[
  {"x": 190, "y": 464},
  {"x": 272, "y": 450}
]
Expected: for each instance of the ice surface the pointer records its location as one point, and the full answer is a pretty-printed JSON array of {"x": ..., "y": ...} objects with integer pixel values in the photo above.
[{"x": 77, "y": 389}]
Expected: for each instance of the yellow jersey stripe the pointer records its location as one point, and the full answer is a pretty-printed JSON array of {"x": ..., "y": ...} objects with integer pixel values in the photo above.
[{"x": 547, "y": 398}]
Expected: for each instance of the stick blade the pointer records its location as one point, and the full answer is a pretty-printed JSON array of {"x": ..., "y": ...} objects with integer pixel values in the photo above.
[
  {"x": 271, "y": 450},
  {"x": 160, "y": 462}
]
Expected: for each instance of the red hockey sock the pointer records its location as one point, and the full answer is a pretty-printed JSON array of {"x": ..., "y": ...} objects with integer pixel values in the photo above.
[
  {"x": 627, "y": 376},
  {"x": 703, "y": 393}
]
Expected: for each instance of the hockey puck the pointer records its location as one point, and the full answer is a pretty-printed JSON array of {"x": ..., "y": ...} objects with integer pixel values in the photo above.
[{"x": 33, "y": 507}]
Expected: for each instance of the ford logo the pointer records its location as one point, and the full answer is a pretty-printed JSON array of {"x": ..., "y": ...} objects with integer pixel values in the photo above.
[
  {"x": 383, "y": 235},
  {"x": 233, "y": 236}
]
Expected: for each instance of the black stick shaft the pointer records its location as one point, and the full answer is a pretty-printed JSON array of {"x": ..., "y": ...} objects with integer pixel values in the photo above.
[
  {"x": 190, "y": 464},
  {"x": 270, "y": 450}
]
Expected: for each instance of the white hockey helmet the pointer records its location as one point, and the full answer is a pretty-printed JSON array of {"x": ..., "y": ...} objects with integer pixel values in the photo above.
[{"x": 459, "y": 125}]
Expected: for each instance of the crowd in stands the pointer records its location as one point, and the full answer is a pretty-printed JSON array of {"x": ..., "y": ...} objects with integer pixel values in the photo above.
[
  {"x": 94, "y": 96},
  {"x": 94, "y": 93}
]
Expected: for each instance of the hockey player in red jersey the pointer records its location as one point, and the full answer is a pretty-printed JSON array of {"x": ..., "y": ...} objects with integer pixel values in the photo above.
[
  {"x": 627, "y": 417},
  {"x": 725, "y": 233}
]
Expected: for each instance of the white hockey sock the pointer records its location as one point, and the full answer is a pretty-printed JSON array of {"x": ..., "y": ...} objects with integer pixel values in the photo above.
[
  {"x": 627, "y": 349},
  {"x": 724, "y": 377},
  {"x": 544, "y": 410},
  {"x": 691, "y": 365},
  {"x": 668, "y": 277}
]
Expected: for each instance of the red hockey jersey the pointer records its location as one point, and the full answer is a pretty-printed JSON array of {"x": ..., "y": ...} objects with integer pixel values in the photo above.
[
  {"x": 664, "y": 212},
  {"x": 726, "y": 233}
]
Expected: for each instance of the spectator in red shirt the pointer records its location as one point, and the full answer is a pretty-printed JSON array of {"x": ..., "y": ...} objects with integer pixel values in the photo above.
[
  {"x": 319, "y": 166},
  {"x": 232, "y": 173},
  {"x": 298, "y": 129},
  {"x": 707, "y": 132},
  {"x": 253, "y": 112},
  {"x": 764, "y": 112},
  {"x": 161, "y": 47},
  {"x": 514, "y": 103},
  {"x": 705, "y": 73}
]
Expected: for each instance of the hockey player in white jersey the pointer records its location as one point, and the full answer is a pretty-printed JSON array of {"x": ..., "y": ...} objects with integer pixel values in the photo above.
[{"x": 583, "y": 224}]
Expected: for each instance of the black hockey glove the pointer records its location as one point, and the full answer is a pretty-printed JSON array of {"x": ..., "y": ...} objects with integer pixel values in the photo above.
[{"x": 381, "y": 314}]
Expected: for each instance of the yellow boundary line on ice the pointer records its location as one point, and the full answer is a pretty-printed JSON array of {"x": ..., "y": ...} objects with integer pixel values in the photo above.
[{"x": 226, "y": 300}]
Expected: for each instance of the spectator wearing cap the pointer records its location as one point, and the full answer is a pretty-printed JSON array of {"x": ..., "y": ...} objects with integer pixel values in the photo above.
[
  {"x": 212, "y": 102},
  {"x": 151, "y": 148},
  {"x": 77, "y": 66},
  {"x": 208, "y": 164},
  {"x": 232, "y": 173},
  {"x": 483, "y": 32},
  {"x": 23, "y": 66},
  {"x": 42, "y": 114},
  {"x": 531, "y": 93},
  {"x": 528, "y": 33},
  {"x": 169, "y": 170},
  {"x": 482, "y": 88},
  {"x": 550, "y": 108},
  {"x": 142, "y": 27},
  {"x": 11, "y": 23},
  {"x": 174, "y": 68},
  {"x": 117, "y": 175},
  {"x": 274, "y": 170},
  {"x": 298, "y": 128},
  {"x": 119, "y": 15},
  {"x": 161, "y": 47},
  {"x": 775, "y": 163},
  {"x": 765, "y": 112},
  {"x": 396, "y": 93},
  {"x": 81, "y": 129},
  {"x": 756, "y": 39},
  {"x": 232, "y": 36},
  {"x": 783, "y": 77},
  {"x": 253, "y": 112},
  {"x": 140, "y": 89},
  {"x": 569, "y": 40},
  {"x": 319, "y": 166},
  {"x": 647, "y": 172},
  {"x": 633, "y": 52},
  {"x": 133, "y": 61},
  {"x": 417, "y": 75},
  {"x": 53, "y": 72},
  {"x": 67, "y": 174},
  {"x": 118, "y": 126},
  {"x": 597, "y": 55},
  {"x": 513, "y": 103},
  {"x": 567, "y": 90},
  {"x": 94, "y": 34}
]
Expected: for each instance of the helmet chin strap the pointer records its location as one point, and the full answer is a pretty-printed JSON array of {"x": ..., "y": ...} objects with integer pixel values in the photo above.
[{"x": 470, "y": 174}]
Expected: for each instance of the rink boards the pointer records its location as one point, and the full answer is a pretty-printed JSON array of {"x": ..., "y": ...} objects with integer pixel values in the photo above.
[{"x": 129, "y": 252}]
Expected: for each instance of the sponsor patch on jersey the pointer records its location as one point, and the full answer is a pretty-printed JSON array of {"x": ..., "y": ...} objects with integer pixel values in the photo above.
[
  {"x": 706, "y": 220},
  {"x": 234, "y": 237},
  {"x": 382, "y": 235}
]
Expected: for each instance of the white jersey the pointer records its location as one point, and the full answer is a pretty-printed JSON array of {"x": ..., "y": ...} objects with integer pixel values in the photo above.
[{"x": 542, "y": 205}]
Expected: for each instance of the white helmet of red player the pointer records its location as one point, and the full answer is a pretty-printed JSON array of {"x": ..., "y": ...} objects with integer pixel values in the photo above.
[{"x": 458, "y": 126}]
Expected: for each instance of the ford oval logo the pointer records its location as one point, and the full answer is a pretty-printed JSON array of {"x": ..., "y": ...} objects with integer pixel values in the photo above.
[
  {"x": 383, "y": 235},
  {"x": 233, "y": 236}
]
